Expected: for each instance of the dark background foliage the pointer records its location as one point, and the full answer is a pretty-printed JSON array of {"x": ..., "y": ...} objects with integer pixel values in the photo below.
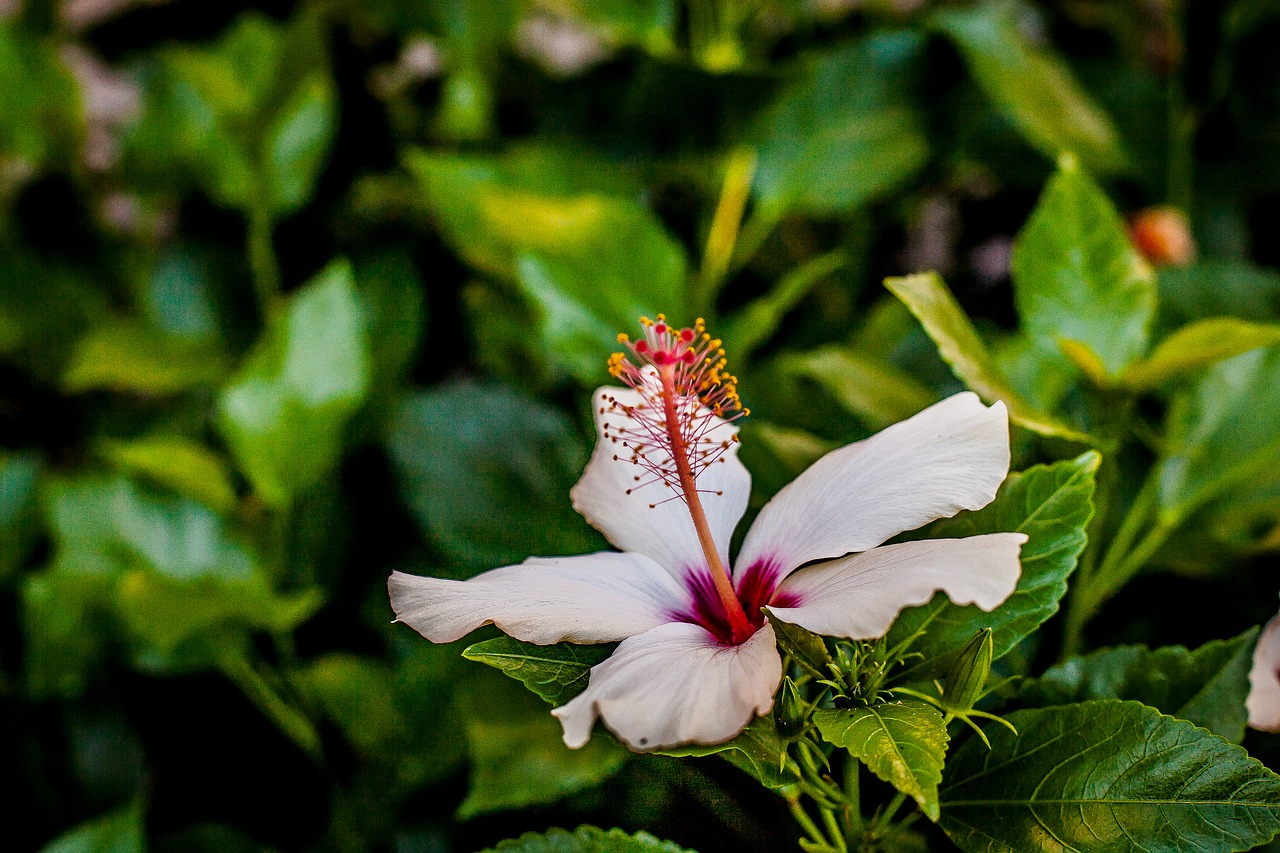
[{"x": 293, "y": 294}]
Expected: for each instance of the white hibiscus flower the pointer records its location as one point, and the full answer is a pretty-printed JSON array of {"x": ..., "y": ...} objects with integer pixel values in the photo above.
[{"x": 698, "y": 657}]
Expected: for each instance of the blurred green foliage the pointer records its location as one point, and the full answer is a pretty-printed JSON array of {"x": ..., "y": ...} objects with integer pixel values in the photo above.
[{"x": 296, "y": 293}]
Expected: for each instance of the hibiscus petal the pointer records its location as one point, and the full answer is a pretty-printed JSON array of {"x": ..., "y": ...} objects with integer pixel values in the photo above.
[
  {"x": 676, "y": 685},
  {"x": 951, "y": 456},
  {"x": 594, "y": 598},
  {"x": 860, "y": 596},
  {"x": 653, "y": 519},
  {"x": 1264, "y": 680}
]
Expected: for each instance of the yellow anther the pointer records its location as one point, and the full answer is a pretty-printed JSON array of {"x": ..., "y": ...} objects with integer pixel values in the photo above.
[{"x": 623, "y": 337}]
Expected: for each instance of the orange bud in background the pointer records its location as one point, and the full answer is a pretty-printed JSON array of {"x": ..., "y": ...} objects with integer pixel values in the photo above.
[{"x": 1163, "y": 236}]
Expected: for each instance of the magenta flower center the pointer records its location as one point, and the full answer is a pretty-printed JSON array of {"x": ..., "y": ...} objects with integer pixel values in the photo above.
[{"x": 757, "y": 587}]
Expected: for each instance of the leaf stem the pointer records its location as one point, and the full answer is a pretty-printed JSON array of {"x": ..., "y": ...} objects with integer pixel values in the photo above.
[
  {"x": 261, "y": 693},
  {"x": 263, "y": 264},
  {"x": 853, "y": 798},
  {"x": 726, "y": 224}
]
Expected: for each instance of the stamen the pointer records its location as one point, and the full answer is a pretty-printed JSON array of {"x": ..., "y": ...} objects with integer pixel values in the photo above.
[{"x": 680, "y": 374}]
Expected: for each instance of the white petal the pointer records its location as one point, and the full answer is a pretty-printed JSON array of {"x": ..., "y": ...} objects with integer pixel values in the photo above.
[
  {"x": 1264, "y": 680},
  {"x": 951, "y": 456},
  {"x": 860, "y": 596},
  {"x": 653, "y": 519},
  {"x": 594, "y": 598},
  {"x": 676, "y": 685}
]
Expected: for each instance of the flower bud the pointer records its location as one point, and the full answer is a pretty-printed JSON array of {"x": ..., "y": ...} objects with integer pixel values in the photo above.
[
  {"x": 1163, "y": 236},
  {"x": 969, "y": 673},
  {"x": 790, "y": 712}
]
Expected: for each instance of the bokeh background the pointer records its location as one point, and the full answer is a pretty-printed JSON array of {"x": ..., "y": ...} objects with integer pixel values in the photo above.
[{"x": 296, "y": 293}]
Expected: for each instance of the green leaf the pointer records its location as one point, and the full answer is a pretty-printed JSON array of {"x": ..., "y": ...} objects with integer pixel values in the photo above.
[
  {"x": 111, "y": 524},
  {"x": 19, "y": 474},
  {"x": 1223, "y": 435},
  {"x": 285, "y": 411},
  {"x": 758, "y": 751},
  {"x": 557, "y": 672},
  {"x": 401, "y": 718},
  {"x": 875, "y": 390},
  {"x": 249, "y": 117},
  {"x": 189, "y": 468},
  {"x": 584, "y": 839},
  {"x": 1077, "y": 277},
  {"x": 1052, "y": 504},
  {"x": 297, "y": 142},
  {"x": 749, "y": 328},
  {"x": 1213, "y": 288},
  {"x": 805, "y": 647},
  {"x": 1196, "y": 345},
  {"x": 1207, "y": 686},
  {"x": 1107, "y": 777},
  {"x": 117, "y": 832},
  {"x": 128, "y": 356},
  {"x": 466, "y": 454},
  {"x": 647, "y": 23},
  {"x": 844, "y": 131},
  {"x": 41, "y": 112},
  {"x": 173, "y": 625},
  {"x": 163, "y": 576},
  {"x": 958, "y": 343},
  {"x": 44, "y": 310},
  {"x": 902, "y": 742},
  {"x": 518, "y": 756},
  {"x": 1032, "y": 87},
  {"x": 587, "y": 265},
  {"x": 64, "y": 630}
]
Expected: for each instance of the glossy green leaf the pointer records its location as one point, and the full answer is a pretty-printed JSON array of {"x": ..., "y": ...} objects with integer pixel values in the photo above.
[
  {"x": 117, "y": 832},
  {"x": 1032, "y": 87},
  {"x": 1196, "y": 345},
  {"x": 844, "y": 131},
  {"x": 285, "y": 411},
  {"x": 875, "y": 390},
  {"x": 902, "y": 742},
  {"x": 584, "y": 839},
  {"x": 758, "y": 751},
  {"x": 518, "y": 756},
  {"x": 557, "y": 672},
  {"x": 19, "y": 474},
  {"x": 960, "y": 347},
  {"x": 1206, "y": 686},
  {"x": 1223, "y": 435},
  {"x": 128, "y": 356},
  {"x": 466, "y": 454},
  {"x": 1107, "y": 777},
  {"x": 1052, "y": 504},
  {"x": 188, "y": 467},
  {"x": 1077, "y": 277}
]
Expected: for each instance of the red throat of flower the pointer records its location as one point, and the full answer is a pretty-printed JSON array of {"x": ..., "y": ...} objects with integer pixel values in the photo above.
[{"x": 680, "y": 374}]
